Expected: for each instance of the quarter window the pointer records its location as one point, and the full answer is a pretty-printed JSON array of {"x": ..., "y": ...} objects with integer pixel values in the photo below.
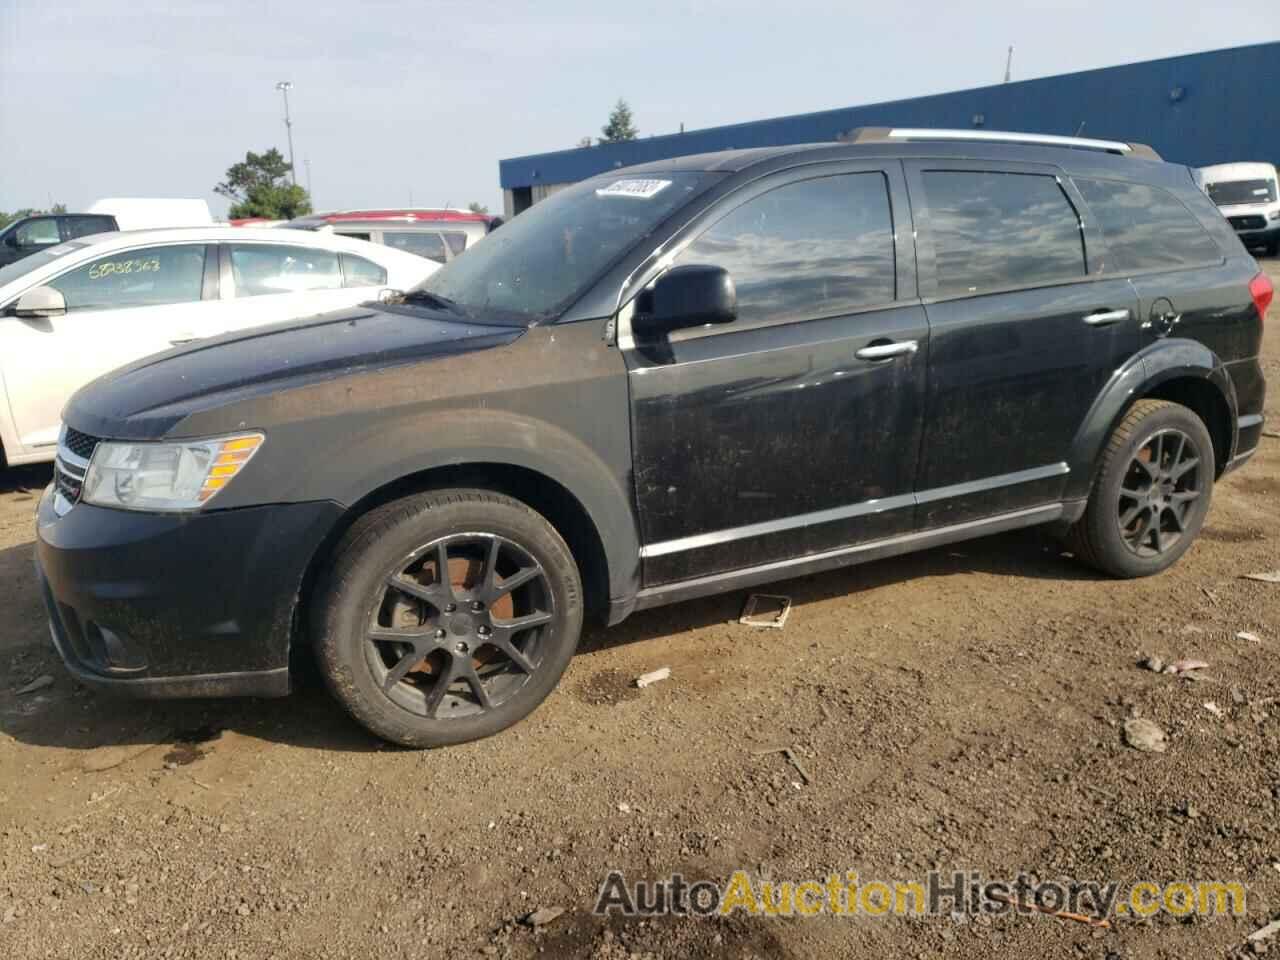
[
  {"x": 1146, "y": 228},
  {"x": 457, "y": 242},
  {"x": 816, "y": 248},
  {"x": 135, "y": 278},
  {"x": 429, "y": 245},
  {"x": 360, "y": 272},
  {"x": 992, "y": 231},
  {"x": 84, "y": 226},
  {"x": 264, "y": 269}
]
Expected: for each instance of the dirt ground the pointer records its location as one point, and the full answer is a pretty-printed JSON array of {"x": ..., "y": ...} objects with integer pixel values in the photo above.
[{"x": 961, "y": 708}]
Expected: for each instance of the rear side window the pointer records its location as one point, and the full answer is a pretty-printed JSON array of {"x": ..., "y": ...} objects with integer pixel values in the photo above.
[
  {"x": 360, "y": 272},
  {"x": 812, "y": 249},
  {"x": 75, "y": 227},
  {"x": 135, "y": 278},
  {"x": 992, "y": 231},
  {"x": 457, "y": 242},
  {"x": 1146, "y": 228},
  {"x": 429, "y": 245},
  {"x": 260, "y": 269}
]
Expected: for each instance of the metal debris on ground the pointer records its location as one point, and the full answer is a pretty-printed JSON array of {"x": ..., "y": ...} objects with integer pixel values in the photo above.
[
  {"x": 1179, "y": 667},
  {"x": 653, "y": 676},
  {"x": 795, "y": 762},
  {"x": 765, "y": 610},
  {"x": 1142, "y": 734},
  {"x": 1060, "y": 914},
  {"x": 1272, "y": 577},
  {"x": 39, "y": 683},
  {"x": 1246, "y": 635},
  {"x": 541, "y": 917}
]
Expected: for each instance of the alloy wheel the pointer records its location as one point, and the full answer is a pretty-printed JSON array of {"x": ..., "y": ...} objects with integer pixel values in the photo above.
[
  {"x": 1159, "y": 492},
  {"x": 459, "y": 625}
]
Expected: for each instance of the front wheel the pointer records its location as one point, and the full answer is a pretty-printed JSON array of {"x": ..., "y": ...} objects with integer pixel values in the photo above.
[
  {"x": 447, "y": 616},
  {"x": 1150, "y": 494}
]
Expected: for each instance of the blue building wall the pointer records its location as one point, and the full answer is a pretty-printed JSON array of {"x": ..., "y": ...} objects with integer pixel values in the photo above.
[{"x": 1197, "y": 109}]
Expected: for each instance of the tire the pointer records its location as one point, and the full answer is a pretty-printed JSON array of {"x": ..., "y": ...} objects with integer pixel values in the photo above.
[
  {"x": 424, "y": 663},
  {"x": 1150, "y": 454}
]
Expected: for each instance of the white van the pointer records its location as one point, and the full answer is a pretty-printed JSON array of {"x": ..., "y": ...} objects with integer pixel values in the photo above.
[
  {"x": 1249, "y": 197},
  {"x": 154, "y": 213}
]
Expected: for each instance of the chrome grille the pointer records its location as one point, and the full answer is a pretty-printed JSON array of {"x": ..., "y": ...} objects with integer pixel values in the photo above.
[{"x": 69, "y": 467}]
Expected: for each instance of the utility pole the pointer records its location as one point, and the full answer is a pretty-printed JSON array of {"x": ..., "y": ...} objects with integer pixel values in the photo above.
[
  {"x": 306, "y": 162},
  {"x": 284, "y": 86},
  {"x": 1008, "y": 65}
]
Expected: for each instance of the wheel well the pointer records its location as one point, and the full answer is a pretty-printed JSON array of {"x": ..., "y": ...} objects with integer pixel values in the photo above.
[
  {"x": 561, "y": 508},
  {"x": 1208, "y": 403}
]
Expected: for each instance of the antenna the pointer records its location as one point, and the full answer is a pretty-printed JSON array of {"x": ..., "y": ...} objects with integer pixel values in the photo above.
[{"x": 1008, "y": 65}]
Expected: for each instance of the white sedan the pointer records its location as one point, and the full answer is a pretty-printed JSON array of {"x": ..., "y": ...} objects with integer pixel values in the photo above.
[{"x": 75, "y": 311}]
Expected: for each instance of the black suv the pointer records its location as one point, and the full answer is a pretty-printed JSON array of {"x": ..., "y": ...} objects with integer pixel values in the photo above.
[
  {"x": 42, "y": 231},
  {"x": 669, "y": 381}
]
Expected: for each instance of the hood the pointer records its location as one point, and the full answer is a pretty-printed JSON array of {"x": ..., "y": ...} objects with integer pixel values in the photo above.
[{"x": 145, "y": 399}]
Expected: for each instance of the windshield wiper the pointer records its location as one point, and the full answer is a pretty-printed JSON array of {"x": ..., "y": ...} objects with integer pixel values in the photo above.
[{"x": 431, "y": 299}]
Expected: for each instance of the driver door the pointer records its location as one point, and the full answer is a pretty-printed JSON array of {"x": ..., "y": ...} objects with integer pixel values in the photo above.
[{"x": 795, "y": 429}]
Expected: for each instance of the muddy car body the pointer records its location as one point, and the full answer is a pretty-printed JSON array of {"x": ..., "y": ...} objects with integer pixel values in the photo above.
[{"x": 716, "y": 383}]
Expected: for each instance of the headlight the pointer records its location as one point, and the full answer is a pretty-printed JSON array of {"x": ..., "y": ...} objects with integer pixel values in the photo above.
[
  {"x": 165, "y": 476},
  {"x": 1274, "y": 215}
]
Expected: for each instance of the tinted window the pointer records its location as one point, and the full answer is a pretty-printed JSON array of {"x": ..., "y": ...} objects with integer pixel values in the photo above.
[
  {"x": 991, "y": 231},
  {"x": 35, "y": 233},
  {"x": 429, "y": 245},
  {"x": 457, "y": 242},
  {"x": 1146, "y": 228},
  {"x": 361, "y": 272},
  {"x": 84, "y": 226},
  {"x": 353, "y": 236},
  {"x": 818, "y": 248},
  {"x": 262, "y": 268},
  {"x": 135, "y": 278}
]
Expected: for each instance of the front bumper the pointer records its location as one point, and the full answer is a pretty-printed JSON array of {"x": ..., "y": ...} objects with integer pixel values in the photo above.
[{"x": 169, "y": 605}]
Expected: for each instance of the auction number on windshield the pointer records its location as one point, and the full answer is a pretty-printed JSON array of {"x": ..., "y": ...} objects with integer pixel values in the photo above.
[{"x": 112, "y": 267}]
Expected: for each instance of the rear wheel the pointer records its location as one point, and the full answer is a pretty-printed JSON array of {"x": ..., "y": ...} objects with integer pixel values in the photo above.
[
  {"x": 447, "y": 616},
  {"x": 1151, "y": 492}
]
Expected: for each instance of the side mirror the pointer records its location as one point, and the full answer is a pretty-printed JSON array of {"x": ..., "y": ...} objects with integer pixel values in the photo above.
[
  {"x": 41, "y": 302},
  {"x": 11, "y": 239},
  {"x": 687, "y": 296}
]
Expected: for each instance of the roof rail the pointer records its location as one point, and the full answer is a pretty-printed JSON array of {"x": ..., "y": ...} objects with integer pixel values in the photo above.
[{"x": 889, "y": 134}]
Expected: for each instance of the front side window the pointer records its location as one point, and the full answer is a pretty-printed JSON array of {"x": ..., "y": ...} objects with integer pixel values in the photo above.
[
  {"x": 135, "y": 278},
  {"x": 360, "y": 272},
  {"x": 544, "y": 259},
  {"x": 429, "y": 245},
  {"x": 816, "y": 248},
  {"x": 261, "y": 269},
  {"x": 37, "y": 233},
  {"x": 1146, "y": 228},
  {"x": 993, "y": 231}
]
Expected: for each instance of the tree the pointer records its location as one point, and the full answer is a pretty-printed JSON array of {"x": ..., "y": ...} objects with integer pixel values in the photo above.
[
  {"x": 260, "y": 187},
  {"x": 584, "y": 142},
  {"x": 620, "y": 126},
  {"x": 8, "y": 218},
  {"x": 477, "y": 207}
]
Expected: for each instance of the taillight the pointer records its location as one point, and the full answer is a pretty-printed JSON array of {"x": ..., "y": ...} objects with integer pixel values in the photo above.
[{"x": 1262, "y": 291}]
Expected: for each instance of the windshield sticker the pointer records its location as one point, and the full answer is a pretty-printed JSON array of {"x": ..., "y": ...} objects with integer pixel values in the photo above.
[
  {"x": 1260, "y": 192},
  {"x": 636, "y": 189}
]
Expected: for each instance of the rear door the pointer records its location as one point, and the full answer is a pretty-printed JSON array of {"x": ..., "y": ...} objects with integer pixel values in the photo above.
[
  {"x": 794, "y": 429},
  {"x": 120, "y": 307},
  {"x": 1025, "y": 331}
]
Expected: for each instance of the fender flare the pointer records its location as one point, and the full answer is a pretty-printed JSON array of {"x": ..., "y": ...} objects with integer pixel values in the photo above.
[
  {"x": 1158, "y": 363},
  {"x": 408, "y": 446}
]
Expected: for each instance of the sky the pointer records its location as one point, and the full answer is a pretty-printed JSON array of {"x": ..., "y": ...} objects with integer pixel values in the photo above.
[{"x": 398, "y": 102}]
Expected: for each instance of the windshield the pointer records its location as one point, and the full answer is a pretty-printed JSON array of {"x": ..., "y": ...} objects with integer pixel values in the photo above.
[
  {"x": 20, "y": 268},
  {"x": 1241, "y": 191},
  {"x": 542, "y": 260}
]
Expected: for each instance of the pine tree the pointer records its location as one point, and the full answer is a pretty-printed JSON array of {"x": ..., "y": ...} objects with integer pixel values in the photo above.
[{"x": 620, "y": 126}]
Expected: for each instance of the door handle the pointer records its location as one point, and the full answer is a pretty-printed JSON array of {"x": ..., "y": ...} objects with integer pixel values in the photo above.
[
  {"x": 1105, "y": 318},
  {"x": 884, "y": 351}
]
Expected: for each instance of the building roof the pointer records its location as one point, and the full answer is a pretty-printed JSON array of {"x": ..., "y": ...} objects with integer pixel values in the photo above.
[{"x": 1197, "y": 109}]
